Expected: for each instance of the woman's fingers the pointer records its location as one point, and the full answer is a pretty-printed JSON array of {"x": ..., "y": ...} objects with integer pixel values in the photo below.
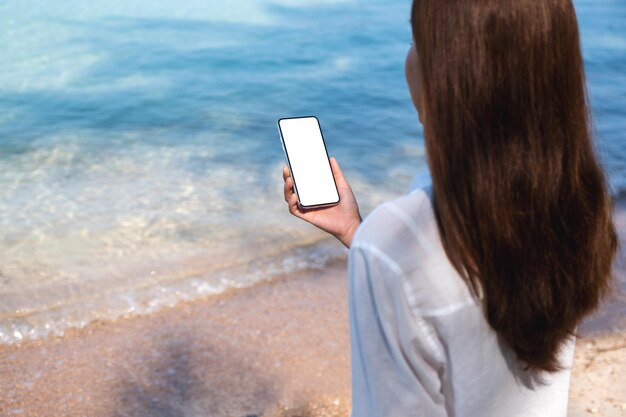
[
  {"x": 290, "y": 196},
  {"x": 288, "y": 185},
  {"x": 288, "y": 188},
  {"x": 337, "y": 172},
  {"x": 335, "y": 166},
  {"x": 293, "y": 205}
]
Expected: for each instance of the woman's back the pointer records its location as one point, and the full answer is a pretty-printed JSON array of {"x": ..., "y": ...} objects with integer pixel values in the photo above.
[{"x": 421, "y": 343}]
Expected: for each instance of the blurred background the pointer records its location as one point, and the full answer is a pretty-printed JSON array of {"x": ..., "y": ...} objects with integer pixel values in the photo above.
[{"x": 140, "y": 162}]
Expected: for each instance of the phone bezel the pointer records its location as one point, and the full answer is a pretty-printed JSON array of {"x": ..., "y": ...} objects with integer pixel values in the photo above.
[{"x": 282, "y": 141}]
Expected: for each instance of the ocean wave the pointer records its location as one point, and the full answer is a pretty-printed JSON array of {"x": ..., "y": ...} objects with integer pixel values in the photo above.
[{"x": 55, "y": 318}]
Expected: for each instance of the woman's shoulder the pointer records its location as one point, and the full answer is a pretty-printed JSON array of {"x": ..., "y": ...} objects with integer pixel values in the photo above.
[
  {"x": 398, "y": 225},
  {"x": 403, "y": 234}
]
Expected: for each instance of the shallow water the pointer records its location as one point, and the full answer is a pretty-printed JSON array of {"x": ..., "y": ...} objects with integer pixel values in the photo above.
[{"x": 139, "y": 157}]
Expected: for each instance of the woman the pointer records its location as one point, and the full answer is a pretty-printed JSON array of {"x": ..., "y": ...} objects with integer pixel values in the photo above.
[{"x": 465, "y": 295}]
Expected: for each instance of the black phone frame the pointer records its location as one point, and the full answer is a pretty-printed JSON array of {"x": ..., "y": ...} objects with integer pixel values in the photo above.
[{"x": 282, "y": 140}]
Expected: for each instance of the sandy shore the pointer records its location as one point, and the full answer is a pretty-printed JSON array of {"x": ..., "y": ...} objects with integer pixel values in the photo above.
[
  {"x": 276, "y": 349},
  {"x": 598, "y": 386}
]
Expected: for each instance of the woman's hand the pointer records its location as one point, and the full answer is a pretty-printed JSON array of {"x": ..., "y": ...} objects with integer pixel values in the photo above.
[{"x": 340, "y": 220}]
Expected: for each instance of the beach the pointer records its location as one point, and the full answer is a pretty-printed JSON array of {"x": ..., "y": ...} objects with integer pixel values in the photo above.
[
  {"x": 279, "y": 348},
  {"x": 148, "y": 263}
]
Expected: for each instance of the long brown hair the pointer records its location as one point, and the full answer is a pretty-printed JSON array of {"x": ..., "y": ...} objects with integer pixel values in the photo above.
[{"x": 522, "y": 204}]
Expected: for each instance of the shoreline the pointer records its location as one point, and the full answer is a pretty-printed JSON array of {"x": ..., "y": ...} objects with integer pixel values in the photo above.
[
  {"x": 270, "y": 348},
  {"x": 36, "y": 325},
  {"x": 277, "y": 348}
]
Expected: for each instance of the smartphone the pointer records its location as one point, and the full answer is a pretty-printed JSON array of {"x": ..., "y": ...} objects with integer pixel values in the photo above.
[{"x": 307, "y": 158}]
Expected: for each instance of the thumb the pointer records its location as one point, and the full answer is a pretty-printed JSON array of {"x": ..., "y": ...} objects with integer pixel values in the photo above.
[{"x": 337, "y": 171}]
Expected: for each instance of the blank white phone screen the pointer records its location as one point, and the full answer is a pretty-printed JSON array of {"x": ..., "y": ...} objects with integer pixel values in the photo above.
[{"x": 310, "y": 167}]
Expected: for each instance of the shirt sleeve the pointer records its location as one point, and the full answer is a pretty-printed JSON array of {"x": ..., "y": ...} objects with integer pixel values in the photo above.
[{"x": 397, "y": 359}]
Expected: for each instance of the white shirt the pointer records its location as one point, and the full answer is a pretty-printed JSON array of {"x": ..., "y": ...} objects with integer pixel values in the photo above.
[{"x": 420, "y": 344}]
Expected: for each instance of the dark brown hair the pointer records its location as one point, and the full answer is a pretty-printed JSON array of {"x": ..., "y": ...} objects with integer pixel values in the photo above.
[{"x": 521, "y": 202}]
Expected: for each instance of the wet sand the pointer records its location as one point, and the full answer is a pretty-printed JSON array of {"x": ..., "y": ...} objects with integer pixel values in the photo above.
[
  {"x": 275, "y": 349},
  {"x": 279, "y": 344}
]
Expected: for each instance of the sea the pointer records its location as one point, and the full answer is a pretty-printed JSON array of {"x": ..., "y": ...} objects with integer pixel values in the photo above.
[{"x": 140, "y": 162}]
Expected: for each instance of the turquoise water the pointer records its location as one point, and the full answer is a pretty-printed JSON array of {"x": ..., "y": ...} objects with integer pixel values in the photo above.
[{"x": 140, "y": 163}]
